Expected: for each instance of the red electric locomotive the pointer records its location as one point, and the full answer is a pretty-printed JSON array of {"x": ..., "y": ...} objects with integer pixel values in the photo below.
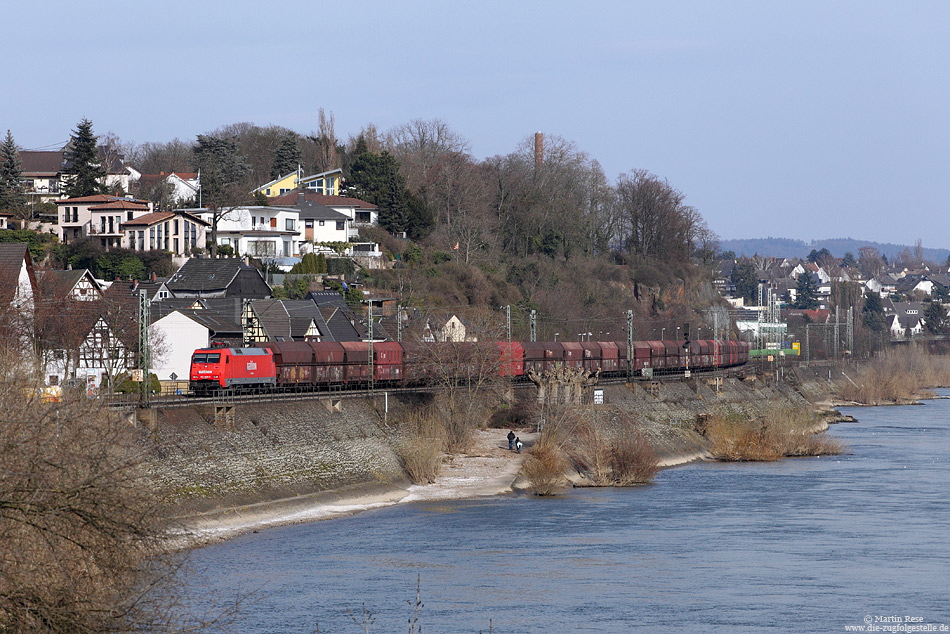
[{"x": 214, "y": 369}]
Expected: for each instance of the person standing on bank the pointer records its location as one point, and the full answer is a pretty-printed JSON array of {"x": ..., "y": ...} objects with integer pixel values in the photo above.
[
  {"x": 518, "y": 444},
  {"x": 511, "y": 440}
]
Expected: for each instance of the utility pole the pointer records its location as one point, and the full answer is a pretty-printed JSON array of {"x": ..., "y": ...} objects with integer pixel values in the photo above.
[
  {"x": 398, "y": 323},
  {"x": 534, "y": 325},
  {"x": 144, "y": 352},
  {"x": 851, "y": 331},
  {"x": 807, "y": 344},
  {"x": 629, "y": 344},
  {"x": 372, "y": 374},
  {"x": 837, "y": 337}
]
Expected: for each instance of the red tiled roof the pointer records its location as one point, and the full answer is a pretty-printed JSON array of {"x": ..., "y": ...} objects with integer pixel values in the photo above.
[
  {"x": 290, "y": 199},
  {"x": 161, "y": 216},
  {"x": 121, "y": 204},
  {"x": 99, "y": 198},
  {"x": 95, "y": 198},
  {"x": 149, "y": 219}
]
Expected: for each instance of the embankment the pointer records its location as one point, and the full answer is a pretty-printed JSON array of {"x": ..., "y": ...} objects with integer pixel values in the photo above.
[{"x": 294, "y": 458}]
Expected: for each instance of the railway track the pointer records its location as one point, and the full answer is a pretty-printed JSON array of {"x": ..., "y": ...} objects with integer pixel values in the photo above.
[{"x": 171, "y": 401}]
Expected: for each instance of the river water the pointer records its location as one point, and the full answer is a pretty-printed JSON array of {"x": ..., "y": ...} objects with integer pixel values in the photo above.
[{"x": 803, "y": 545}]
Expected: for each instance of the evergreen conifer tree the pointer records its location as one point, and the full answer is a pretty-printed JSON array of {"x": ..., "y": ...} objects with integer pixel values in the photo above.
[
  {"x": 287, "y": 156},
  {"x": 82, "y": 162},
  {"x": 807, "y": 292},
  {"x": 873, "y": 312},
  {"x": 377, "y": 180},
  {"x": 12, "y": 191},
  {"x": 935, "y": 317}
]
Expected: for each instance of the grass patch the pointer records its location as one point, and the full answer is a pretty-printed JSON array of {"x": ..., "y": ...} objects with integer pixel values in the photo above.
[
  {"x": 545, "y": 466},
  {"x": 422, "y": 441},
  {"x": 780, "y": 432},
  {"x": 900, "y": 376},
  {"x": 622, "y": 458}
]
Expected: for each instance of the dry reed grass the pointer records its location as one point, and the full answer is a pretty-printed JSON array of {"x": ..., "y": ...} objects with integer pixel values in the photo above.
[
  {"x": 622, "y": 458},
  {"x": 421, "y": 445},
  {"x": 900, "y": 376},
  {"x": 778, "y": 433},
  {"x": 546, "y": 465}
]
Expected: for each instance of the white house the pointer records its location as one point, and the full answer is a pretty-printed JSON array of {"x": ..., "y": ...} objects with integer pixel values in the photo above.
[
  {"x": 452, "y": 329},
  {"x": 99, "y": 216},
  {"x": 178, "y": 232},
  {"x": 178, "y": 334},
  {"x": 358, "y": 212},
  {"x": 261, "y": 232}
]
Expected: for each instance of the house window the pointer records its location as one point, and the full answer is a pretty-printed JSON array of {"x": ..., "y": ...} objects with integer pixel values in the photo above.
[
  {"x": 262, "y": 248},
  {"x": 142, "y": 240},
  {"x": 283, "y": 190},
  {"x": 225, "y": 241},
  {"x": 273, "y": 223},
  {"x": 286, "y": 249},
  {"x": 289, "y": 224},
  {"x": 308, "y": 224},
  {"x": 329, "y": 186},
  {"x": 176, "y": 229},
  {"x": 321, "y": 223},
  {"x": 151, "y": 238},
  {"x": 340, "y": 226},
  {"x": 75, "y": 214},
  {"x": 267, "y": 193},
  {"x": 128, "y": 215}
]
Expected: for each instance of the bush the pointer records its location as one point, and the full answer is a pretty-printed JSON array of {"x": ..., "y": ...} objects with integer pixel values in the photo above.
[
  {"x": 341, "y": 266},
  {"x": 622, "y": 458},
  {"x": 421, "y": 445},
  {"x": 897, "y": 377},
  {"x": 632, "y": 459},
  {"x": 545, "y": 466},
  {"x": 778, "y": 433},
  {"x": 80, "y": 524}
]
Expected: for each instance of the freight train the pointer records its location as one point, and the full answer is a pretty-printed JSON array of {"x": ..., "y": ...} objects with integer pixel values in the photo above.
[{"x": 300, "y": 365}]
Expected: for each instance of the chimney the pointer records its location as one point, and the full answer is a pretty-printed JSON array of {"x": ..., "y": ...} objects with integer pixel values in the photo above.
[
  {"x": 154, "y": 277},
  {"x": 538, "y": 149}
]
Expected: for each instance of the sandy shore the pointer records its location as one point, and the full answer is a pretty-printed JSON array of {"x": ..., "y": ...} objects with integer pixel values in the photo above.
[{"x": 487, "y": 468}]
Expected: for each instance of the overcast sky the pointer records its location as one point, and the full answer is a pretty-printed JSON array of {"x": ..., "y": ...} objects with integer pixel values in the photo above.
[{"x": 797, "y": 119}]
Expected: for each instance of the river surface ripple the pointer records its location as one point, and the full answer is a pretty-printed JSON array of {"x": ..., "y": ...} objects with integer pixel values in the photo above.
[{"x": 803, "y": 545}]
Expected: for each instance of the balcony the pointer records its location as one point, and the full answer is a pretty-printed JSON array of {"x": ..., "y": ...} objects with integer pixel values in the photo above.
[{"x": 94, "y": 230}]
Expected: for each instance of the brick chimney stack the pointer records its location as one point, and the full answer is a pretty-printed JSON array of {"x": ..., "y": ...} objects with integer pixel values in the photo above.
[{"x": 538, "y": 149}]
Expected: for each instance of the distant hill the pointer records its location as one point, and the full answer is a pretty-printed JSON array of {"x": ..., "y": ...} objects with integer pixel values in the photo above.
[{"x": 787, "y": 247}]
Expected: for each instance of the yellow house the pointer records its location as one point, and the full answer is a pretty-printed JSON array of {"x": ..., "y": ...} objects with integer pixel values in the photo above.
[
  {"x": 280, "y": 185},
  {"x": 328, "y": 183}
]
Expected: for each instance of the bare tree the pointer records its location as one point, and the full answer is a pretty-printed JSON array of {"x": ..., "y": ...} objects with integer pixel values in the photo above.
[
  {"x": 420, "y": 145},
  {"x": 326, "y": 155},
  {"x": 154, "y": 158},
  {"x": 79, "y": 525},
  {"x": 467, "y": 373},
  {"x": 870, "y": 261}
]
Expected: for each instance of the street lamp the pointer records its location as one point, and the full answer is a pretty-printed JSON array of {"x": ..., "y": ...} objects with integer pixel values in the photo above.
[
  {"x": 677, "y": 333},
  {"x": 555, "y": 335},
  {"x": 662, "y": 333}
]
